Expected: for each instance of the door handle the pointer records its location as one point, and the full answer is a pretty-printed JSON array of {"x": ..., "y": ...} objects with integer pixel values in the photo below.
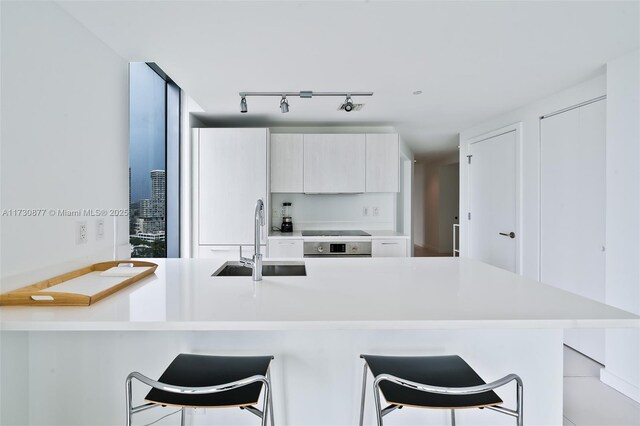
[{"x": 510, "y": 234}]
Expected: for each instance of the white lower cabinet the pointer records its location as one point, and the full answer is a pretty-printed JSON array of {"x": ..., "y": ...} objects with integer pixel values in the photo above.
[
  {"x": 226, "y": 252},
  {"x": 281, "y": 248},
  {"x": 389, "y": 247}
]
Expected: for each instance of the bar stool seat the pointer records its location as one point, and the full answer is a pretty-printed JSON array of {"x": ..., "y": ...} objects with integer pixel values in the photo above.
[
  {"x": 208, "y": 381},
  {"x": 439, "y": 382}
]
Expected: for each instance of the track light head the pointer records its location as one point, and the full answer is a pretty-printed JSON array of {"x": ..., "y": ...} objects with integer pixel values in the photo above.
[
  {"x": 348, "y": 104},
  {"x": 284, "y": 105},
  {"x": 243, "y": 105}
]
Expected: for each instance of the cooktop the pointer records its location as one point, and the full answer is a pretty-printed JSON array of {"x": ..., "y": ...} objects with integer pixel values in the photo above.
[{"x": 335, "y": 234}]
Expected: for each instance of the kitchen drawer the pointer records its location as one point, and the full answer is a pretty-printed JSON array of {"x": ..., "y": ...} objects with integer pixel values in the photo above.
[
  {"x": 389, "y": 247},
  {"x": 225, "y": 252},
  {"x": 285, "y": 248}
]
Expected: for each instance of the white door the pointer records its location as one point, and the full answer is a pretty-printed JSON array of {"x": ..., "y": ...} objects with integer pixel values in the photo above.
[
  {"x": 492, "y": 220},
  {"x": 572, "y": 210}
]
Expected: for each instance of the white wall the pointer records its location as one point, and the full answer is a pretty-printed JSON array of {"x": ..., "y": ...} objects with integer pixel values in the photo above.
[
  {"x": 187, "y": 158},
  {"x": 64, "y": 144},
  {"x": 436, "y": 204},
  {"x": 432, "y": 208},
  {"x": 622, "y": 351},
  {"x": 419, "y": 214},
  {"x": 64, "y": 139},
  {"x": 404, "y": 211},
  {"x": 529, "y": 115},
  {"x": 449, "y": 177},
  {"x": 336, "y": 211}
]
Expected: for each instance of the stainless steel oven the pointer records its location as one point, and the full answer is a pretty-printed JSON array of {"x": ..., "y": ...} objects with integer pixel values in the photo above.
[{"x": 337, "y": 249}]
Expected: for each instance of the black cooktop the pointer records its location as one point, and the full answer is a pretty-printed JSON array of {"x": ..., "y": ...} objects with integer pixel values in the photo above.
[{"x": 335, "y": 234}]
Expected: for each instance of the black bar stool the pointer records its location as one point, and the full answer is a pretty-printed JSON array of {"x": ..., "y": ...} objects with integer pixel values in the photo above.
[
  {"x": 208, "y": 381},
  {"x": 441, "y": 382}
]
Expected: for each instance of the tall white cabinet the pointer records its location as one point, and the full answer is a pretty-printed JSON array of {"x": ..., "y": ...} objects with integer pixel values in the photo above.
[
  {"x": 572, "y": 214},
  {"x": 231, "y": 176}
]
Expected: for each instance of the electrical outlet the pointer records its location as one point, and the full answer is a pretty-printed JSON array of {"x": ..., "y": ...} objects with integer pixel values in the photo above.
[
  {"x": 100, "y": 229},
  {"x": 365, "y": 211},
  {"x": 375, "y": 211},
  {"x": 81, "y": 232}
]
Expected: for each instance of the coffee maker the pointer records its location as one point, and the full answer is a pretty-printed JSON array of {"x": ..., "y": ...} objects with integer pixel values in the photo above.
[{"x": 287, "y": 223}]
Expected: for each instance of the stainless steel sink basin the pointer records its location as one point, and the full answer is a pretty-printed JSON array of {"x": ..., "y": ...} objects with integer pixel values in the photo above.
[{"x": 269, "y": 269}]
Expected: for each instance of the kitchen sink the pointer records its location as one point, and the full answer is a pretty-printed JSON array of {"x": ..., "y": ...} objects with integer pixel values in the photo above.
[{"x": 269, "y": 269}]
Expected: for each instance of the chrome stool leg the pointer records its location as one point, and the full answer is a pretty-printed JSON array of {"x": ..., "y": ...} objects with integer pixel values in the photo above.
[
  {"x": 270, "y": 397},
  {"x": 129, "y": 401},
  {"x": 182, "y": 418},
  {"x": 376, "y": 399},
  {"x": 519, "y": 392},
  {"x": 364, "y": 391},
  {"x": 265, "y": 404},
  {"x": 453, "y": 417}
]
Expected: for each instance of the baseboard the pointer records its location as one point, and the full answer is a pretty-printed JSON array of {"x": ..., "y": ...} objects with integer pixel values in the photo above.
[{"x": 620, "y": 385}]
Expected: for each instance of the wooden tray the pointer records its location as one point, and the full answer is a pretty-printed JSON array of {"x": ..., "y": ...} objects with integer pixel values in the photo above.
[{"x": 90, "y": 284}]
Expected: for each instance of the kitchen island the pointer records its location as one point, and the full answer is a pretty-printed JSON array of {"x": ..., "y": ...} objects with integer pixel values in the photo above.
[{"x": 316, "y": 326}]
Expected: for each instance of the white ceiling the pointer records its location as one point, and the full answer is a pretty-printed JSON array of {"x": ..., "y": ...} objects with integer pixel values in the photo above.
[{"x": 472, "y": 60}]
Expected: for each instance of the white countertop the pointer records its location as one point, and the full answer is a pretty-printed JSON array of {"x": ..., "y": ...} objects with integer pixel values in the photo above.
[
  {"x": 337, "y": 293},
  {"x": 374, "y": 234}
]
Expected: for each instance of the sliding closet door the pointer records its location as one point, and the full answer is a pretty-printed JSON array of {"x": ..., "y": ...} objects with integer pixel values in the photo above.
[{"x": 572, "y": 216}]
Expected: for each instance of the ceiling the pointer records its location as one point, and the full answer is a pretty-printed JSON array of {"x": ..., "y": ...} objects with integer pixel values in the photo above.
[{"x": 471, "y": 60}]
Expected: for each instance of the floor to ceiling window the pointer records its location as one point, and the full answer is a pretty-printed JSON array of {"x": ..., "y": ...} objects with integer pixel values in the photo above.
[{"x": 154, "y": 117}]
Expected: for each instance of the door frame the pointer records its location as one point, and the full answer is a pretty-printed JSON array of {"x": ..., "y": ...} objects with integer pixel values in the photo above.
[{"x": 465, "y": 176}]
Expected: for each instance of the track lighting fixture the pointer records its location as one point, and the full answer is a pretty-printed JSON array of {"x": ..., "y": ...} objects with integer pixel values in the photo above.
[
  {"x": 347, "y": 106},
  {"x": 284, "y": 105}
]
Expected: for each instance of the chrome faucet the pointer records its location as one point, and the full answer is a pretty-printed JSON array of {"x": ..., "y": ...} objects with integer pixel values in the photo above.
[{"x": 255, "y": 263}]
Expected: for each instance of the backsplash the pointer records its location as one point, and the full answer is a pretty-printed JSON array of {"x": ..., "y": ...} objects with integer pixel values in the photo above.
[{"x": 337, "y": 211}]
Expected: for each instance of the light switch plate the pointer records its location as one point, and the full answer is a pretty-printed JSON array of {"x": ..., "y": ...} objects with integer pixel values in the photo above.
[
  {"x": 81, "y": 232},
  {"x": 100, "y": 229}
]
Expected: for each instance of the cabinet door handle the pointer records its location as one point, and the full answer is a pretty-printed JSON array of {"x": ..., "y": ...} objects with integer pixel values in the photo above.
[
  {"x": 510, "y": 234},
  {"x": 389, "y": 244}
]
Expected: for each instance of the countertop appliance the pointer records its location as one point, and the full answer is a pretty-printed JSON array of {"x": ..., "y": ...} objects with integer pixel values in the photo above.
[
  {"x": 287, "y": 223},
  {"x": 332, "y": 233},
  {"x": 337, "y": 249}
]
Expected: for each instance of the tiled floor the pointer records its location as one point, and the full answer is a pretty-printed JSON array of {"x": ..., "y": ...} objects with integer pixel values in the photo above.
[{"x": 588, "y": 401}]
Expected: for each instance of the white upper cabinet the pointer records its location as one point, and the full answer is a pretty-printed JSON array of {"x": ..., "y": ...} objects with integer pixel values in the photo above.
[
  {"x": 382, "y": 162},
  {"x": 232, "y": 175},
  {"x": 334, "y": 163},
  {"x": 286, "y": 163}
]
